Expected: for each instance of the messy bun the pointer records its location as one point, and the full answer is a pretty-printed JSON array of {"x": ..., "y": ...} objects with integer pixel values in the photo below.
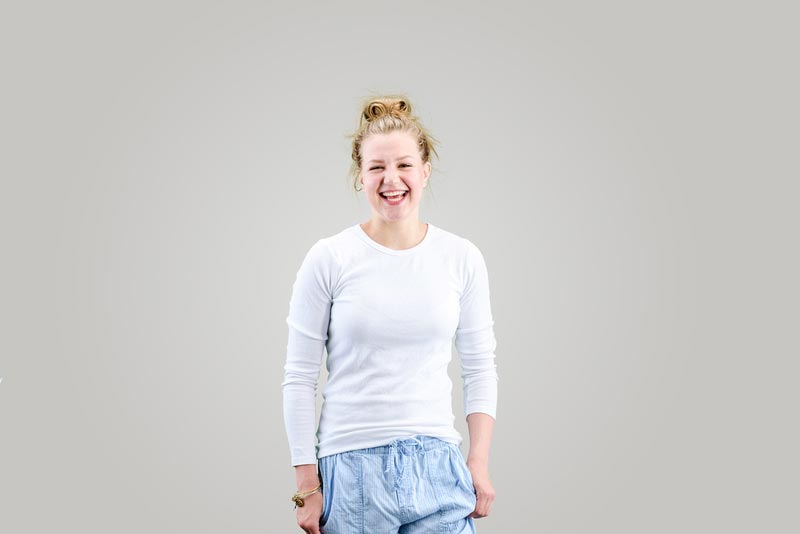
[
  {"x": 395, "y": 107},
  {"x": 386, "y": 114}
]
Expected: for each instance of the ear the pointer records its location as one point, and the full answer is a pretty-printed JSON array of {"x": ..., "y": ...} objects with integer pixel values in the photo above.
[{"x": 427, "y": 169}]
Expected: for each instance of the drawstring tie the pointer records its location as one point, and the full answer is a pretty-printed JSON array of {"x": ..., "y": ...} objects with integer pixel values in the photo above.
[{"x": 405, "y": 446}]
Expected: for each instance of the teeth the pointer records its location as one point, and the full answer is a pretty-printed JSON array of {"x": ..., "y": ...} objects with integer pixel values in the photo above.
[{"x": 392, "y": 195}]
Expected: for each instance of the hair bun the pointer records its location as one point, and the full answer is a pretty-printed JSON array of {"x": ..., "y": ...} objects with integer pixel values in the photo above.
[{"x": 393, "y": 106}]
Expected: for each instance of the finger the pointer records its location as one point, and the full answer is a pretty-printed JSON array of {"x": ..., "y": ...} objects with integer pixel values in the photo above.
[
  {"x": 311, "y": 529},
  {"x": 482, "y": 506},
  {"x": 478, "y": 512}
]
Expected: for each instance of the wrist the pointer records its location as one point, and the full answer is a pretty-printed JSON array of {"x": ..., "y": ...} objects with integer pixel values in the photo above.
[
  {"x": 478, "y": 461},
  {"x": 300, "y": 496},
  {"x": 306, "y": 477}
]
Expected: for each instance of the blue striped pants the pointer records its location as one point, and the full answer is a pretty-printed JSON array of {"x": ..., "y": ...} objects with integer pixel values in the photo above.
[{"x": 417, "y": 485}]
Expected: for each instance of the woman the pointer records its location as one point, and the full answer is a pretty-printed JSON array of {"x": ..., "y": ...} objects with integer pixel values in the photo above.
[{"x": 386, "y": 298}]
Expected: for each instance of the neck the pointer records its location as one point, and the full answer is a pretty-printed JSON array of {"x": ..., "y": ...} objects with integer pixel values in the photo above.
[{"x": 396, "y": 234}]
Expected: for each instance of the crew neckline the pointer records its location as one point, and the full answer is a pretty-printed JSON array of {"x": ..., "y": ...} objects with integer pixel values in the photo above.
[{"x": 386, "y": 250}]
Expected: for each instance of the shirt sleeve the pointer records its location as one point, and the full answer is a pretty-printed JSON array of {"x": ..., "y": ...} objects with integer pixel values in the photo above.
[
  {"x": 475, "y": 341},
  {"x": 308, "y": 319}
]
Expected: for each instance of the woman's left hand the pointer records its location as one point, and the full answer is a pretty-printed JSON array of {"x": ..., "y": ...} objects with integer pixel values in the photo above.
[{"x": 484, "y": 491}]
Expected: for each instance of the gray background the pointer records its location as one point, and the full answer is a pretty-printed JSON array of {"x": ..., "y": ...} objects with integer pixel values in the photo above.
[{"x": 629, "y": 170}]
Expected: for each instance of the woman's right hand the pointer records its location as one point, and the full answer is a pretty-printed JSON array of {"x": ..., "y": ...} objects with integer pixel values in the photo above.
[{"x": 310, "y": 513}]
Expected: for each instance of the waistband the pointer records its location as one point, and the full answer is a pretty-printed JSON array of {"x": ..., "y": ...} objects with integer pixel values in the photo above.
[{"x": 417, "y": 442}]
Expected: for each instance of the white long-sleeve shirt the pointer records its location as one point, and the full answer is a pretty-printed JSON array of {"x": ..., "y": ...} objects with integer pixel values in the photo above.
[{"x": 388, "y": 319}]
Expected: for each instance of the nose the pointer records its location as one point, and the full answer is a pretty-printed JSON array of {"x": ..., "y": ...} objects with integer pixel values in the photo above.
[{"x": 391, "y": 176}]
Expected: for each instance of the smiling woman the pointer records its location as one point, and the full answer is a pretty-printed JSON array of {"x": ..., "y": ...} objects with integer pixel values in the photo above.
[
  {"x": 396, "y": 151},
  {"x": 386, "y": 298}
]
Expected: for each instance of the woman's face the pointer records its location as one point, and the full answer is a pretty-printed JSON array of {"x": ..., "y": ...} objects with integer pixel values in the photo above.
[{"x": 391, "y": 162}]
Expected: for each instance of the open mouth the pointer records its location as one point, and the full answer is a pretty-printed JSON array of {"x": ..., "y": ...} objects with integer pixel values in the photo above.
[{"x": 394, "y": 199}]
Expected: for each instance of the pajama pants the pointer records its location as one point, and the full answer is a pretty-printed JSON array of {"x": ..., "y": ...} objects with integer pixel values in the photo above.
[{"x": 417, "y": 485}]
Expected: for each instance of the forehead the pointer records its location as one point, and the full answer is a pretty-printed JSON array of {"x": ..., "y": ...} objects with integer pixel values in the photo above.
[{"x": 390, "y": 146}]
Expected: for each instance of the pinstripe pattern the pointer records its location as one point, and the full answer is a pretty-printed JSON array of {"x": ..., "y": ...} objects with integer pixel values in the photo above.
[{"x": 416, "y": 485}]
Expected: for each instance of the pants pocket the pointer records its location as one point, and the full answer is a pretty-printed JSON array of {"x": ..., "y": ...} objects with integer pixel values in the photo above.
[
  {"x": 461, "y": 470},
  {"x": 326, "y": 475},
  {"x": 461, "y": 500}
]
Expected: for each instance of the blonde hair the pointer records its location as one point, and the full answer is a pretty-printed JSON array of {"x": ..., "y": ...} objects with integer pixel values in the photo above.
[{"x": 385, "y": 114}]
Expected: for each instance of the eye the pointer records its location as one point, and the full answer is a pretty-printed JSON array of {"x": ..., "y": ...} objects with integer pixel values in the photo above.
[{"x": 380, "y": 167}]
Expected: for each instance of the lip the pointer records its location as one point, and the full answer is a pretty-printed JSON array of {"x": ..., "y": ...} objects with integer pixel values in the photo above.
[{"x": 394, "y": 202}]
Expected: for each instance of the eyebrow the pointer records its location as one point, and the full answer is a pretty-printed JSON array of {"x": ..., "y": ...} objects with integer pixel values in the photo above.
[{"x": 381, "y": 161}]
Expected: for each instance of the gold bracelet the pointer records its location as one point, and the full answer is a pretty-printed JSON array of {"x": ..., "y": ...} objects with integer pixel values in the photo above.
[{"x": 298, "y": 497}]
